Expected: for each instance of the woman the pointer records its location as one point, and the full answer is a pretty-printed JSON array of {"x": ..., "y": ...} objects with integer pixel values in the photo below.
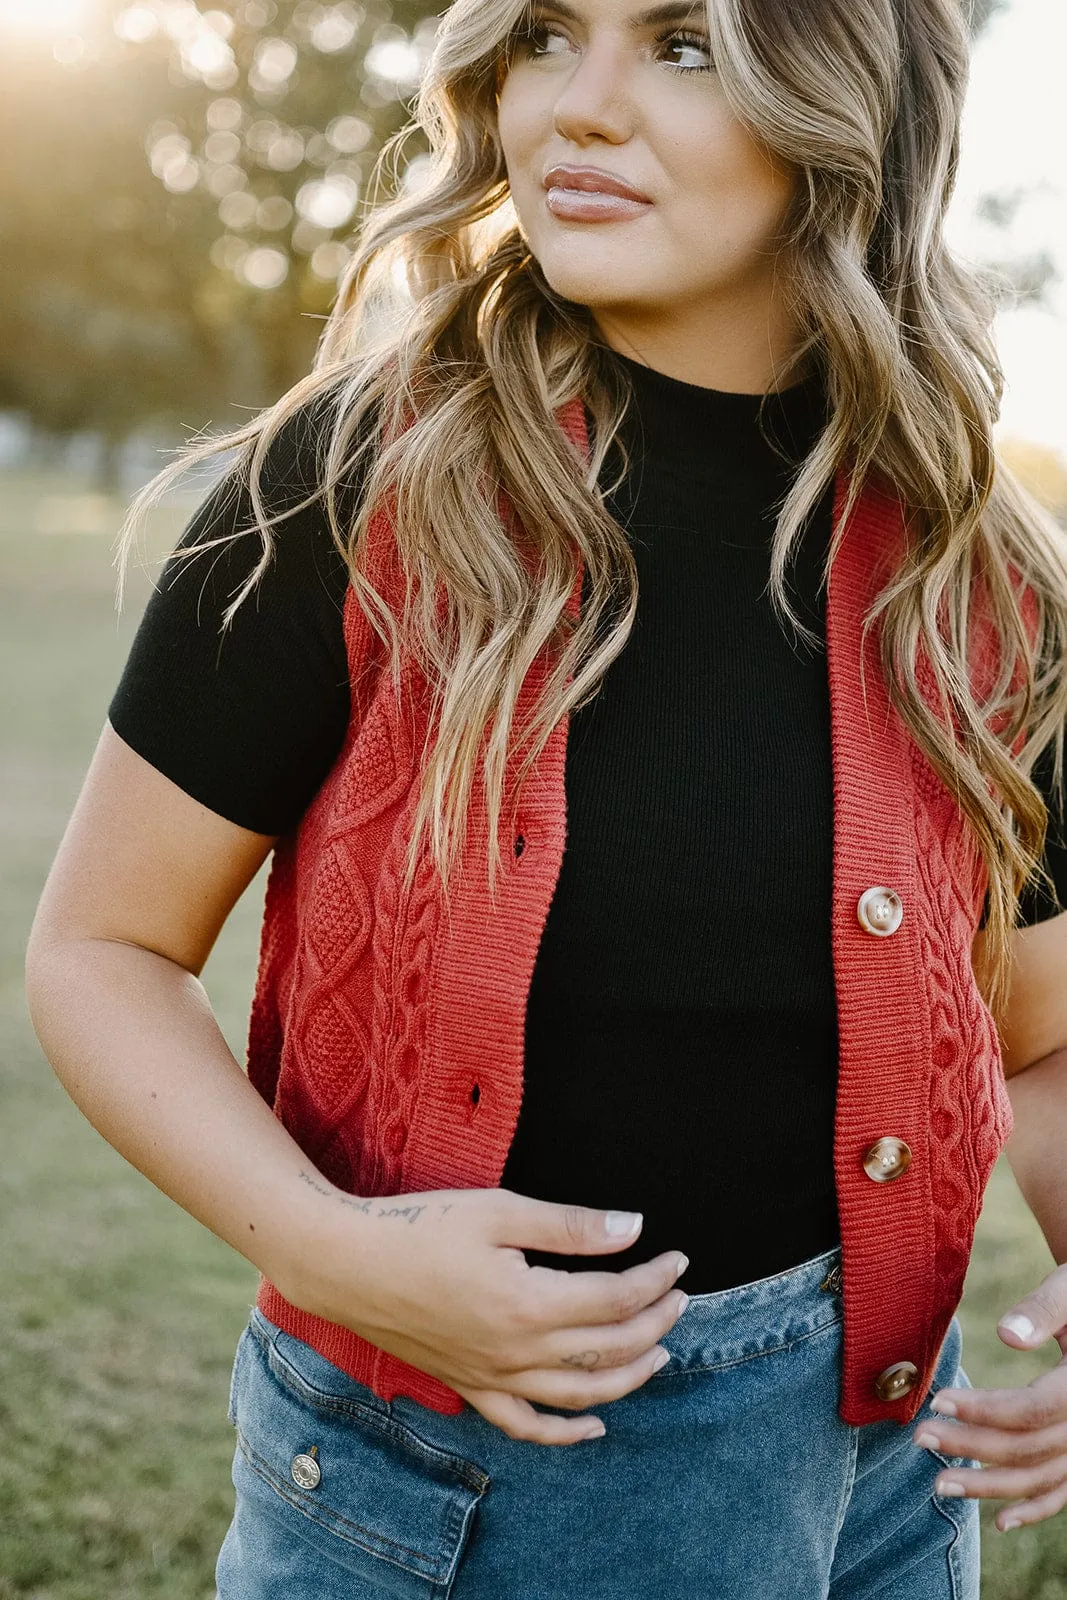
[{"x": 680, "y": 317}]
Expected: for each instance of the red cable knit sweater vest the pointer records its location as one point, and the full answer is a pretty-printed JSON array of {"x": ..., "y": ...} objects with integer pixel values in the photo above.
[{"x": 376, "y": 1017}]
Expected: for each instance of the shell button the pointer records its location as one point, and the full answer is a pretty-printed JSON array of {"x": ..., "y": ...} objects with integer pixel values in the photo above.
[
  {"x": 305, "y": 1471},
  {"x": 886, "y": 1159},
  {"x": 896, "y": 1381},
  {"x": 880, "y": 910}
]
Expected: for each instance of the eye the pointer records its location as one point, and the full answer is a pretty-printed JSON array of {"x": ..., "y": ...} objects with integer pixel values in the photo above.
[
  {"x": 687, "y": 45},
  {"x": 535, "y": 40}
]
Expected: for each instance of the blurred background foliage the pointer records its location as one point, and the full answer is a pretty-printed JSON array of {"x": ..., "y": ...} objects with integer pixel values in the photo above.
[
  {"x": 180, "y": 190},
  {"x": 178, "y": 187}
]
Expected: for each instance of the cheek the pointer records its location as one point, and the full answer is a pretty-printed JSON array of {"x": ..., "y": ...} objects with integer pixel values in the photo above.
[
  {"x": 723, "y": 178},
  {"x": 520, "y": 125}
]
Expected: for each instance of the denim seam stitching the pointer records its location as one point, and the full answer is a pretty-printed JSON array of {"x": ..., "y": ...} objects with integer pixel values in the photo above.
[
  {"x": 881, "y": 1543},
  {"x": 846, "y": 1490},
  {"x": 755, "y": 1355},
  {"x": 959, "y": 1462},
  {"x": 945, "y": 1505}
]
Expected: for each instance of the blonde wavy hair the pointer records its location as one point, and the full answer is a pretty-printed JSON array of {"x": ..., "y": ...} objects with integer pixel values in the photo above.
[{"x": 447, "y": 338}]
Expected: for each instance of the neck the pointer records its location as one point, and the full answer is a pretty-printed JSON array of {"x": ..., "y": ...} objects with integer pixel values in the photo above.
[{"x": 745, "y": 344}]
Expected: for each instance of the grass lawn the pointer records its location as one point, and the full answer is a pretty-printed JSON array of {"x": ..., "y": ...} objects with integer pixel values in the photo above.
[{"x": 120, "y": 1313}]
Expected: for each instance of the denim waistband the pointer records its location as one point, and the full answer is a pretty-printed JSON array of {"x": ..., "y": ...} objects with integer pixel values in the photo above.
[{"x": 751, "y": 1319}]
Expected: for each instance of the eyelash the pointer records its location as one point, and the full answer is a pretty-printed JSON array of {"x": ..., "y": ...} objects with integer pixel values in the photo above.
[{"x": 695, "y": 41}]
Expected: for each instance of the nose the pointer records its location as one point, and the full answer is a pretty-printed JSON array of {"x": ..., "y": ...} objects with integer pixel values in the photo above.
[{"x": 594, "y": 103}]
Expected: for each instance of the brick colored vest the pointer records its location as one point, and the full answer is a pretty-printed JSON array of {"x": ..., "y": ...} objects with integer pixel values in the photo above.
[{"x": 374, "y": 1020}]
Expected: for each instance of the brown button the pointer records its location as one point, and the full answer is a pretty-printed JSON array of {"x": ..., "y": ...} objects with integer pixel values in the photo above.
[
  {"x": 880, "y": 910},
  {"x": 886, "y": 1159},
  {"x": 896, "y": 1381}
]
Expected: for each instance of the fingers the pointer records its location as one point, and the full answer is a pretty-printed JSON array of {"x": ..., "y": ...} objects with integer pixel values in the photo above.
[
  {"x": 587, "y": 1299},
  {"x": 1026, "y": 1511},
  {"x": 617, "y": 1344},
  {"x": 1040, "y": 1404},
  {"x": 576, "y": 1389},
  {"x": 1025, "y": 1465},
  {"x": 517, "y": 1418},
  {"x": 1003, "y": 1483},
  {"x": 579, "y": 1367},
  {"x": 995, "y": 1445},
  {"x": 567, "y": 1229}
]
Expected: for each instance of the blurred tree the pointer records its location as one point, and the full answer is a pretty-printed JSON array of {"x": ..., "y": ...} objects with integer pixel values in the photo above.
[
  {"x": 175, "y": 197},
  {"x": 95, "y": 324},
  {"x": 179, "y": 187}
]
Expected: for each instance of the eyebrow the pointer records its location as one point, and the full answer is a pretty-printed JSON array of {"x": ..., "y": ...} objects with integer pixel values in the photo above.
[{"x": 672, "y": 11}]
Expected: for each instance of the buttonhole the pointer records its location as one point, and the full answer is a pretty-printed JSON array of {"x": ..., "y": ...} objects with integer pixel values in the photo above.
[{"x": 476, "y": 1095}]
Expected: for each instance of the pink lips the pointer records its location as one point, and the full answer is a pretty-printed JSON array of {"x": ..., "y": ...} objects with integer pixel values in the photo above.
[
  {"x": 589, "y": 194},
  {"x": 592, "y": 180}
]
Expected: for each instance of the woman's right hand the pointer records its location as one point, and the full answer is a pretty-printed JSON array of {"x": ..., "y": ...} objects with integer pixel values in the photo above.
[
  {"x": 439, "y": 1279},
  {"x": 142, "y": 884}
]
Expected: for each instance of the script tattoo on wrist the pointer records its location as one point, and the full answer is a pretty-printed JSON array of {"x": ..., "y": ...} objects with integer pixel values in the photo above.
[{"x": 367, "y": 1207}]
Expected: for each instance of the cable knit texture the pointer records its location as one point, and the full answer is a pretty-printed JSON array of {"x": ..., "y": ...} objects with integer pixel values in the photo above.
[{"x": 388, "y": 1037}]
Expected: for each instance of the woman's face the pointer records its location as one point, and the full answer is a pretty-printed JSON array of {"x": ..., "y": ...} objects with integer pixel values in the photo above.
[{"x": 632, "y": 93}]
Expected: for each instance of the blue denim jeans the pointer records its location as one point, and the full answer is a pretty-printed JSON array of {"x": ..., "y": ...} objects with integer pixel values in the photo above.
[{"x": 728, "y": 1475}]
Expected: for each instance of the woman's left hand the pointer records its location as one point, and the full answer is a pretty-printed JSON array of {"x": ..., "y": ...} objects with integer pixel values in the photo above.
[{"x": 1020, "y": 1433}]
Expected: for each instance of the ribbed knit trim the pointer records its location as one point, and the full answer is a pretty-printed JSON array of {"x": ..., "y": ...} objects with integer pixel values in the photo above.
[
  {"x": 899, "y": 1292},
  {"x": 713, "y": 434},
  {"x": 883, "y": 1059}
]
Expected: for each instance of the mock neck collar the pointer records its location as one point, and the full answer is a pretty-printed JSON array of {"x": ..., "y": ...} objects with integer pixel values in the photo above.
[{"x": 718, "y": 433}]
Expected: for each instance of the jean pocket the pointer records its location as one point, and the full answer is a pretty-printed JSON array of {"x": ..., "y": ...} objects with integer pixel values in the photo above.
[{"x": 322, "y": 1453}]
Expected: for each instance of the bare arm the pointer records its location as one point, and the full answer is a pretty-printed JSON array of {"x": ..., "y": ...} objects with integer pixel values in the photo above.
[
  {"x": 142, "y": 883},
  {"x": 1034, "y": 1040}
]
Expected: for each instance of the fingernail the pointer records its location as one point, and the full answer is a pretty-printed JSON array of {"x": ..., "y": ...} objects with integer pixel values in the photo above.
[
  {"x": 683, "y": 1262},
  {"x": 1008, "y": 1524},
  {"x": 953, "y": 1490},
  {"x": 683, "y": 1302},
  {"x": 619, "y": 1222},
  {"x": 596, "y": 1431},
  {"x": 1019, "y": 1325},
  {"x": 926, "y": 1440},
  {"x": 661, "y": 1360},
  {"x": 947, "y": 1408}
]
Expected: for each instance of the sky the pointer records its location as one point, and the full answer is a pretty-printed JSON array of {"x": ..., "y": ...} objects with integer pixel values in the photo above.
[{"x": 1015, "y": 136}]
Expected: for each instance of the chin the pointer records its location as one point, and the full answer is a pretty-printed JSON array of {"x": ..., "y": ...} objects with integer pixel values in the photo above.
[{"x": 596, "y": 277}]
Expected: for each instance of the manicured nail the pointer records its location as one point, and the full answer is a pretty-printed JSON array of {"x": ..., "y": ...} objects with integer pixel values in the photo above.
[
  {"x": 596, "y": 1431},
  {"x": 661, "y": 1360},
  {"x": 1008, "y": 1523},
  {"x": 947, "y": 1408},
  {"x": 926, "y": 1440},
  {"x": 619, "y": 1222},
  {"x": 683, "y": 1262},
  {"x": 1021, "y": 1326},
  {"x": 951, "y": 1489},
  {"x": 683, "y": 1302}
]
